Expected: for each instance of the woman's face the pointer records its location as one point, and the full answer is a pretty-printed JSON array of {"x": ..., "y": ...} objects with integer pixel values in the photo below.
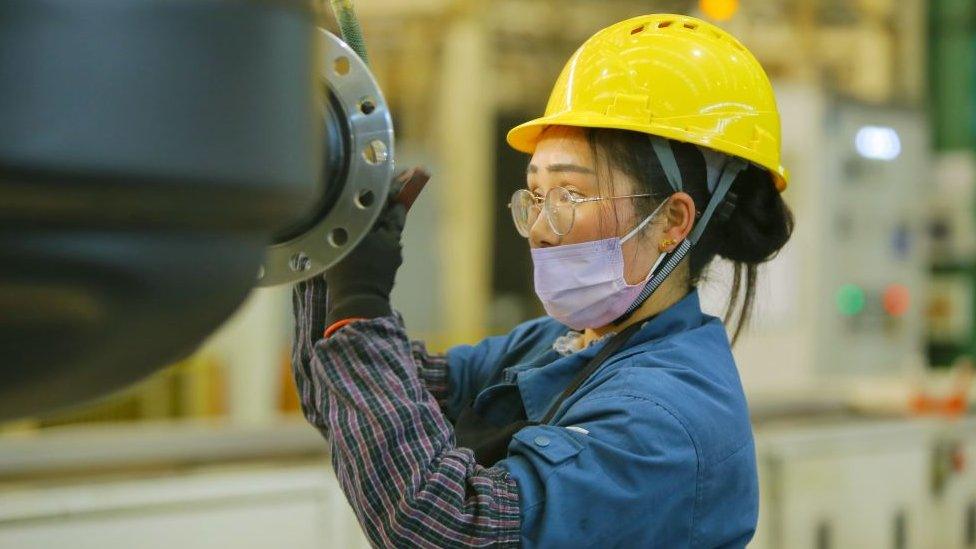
[{"x": 563, "y": 157}]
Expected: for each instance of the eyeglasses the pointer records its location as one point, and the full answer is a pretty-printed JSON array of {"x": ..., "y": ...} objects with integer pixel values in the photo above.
[{"x": 560, "y": 207}]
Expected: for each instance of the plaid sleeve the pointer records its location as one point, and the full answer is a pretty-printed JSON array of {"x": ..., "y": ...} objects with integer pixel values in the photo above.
[
  {"x": 309, "y": 302},
  {"x": 394, "y": 451},
  {"x": 433, "y": 372}
]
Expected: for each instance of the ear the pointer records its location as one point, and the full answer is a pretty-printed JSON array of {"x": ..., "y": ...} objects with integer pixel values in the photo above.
[{"x": 680, "y": 214}]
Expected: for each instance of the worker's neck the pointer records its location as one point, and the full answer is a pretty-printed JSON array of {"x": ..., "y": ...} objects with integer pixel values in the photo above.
[{"x": 669, "y": 293}]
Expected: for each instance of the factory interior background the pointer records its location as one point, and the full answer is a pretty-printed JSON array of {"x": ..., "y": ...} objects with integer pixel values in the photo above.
[{"x": 857, "y": 364}]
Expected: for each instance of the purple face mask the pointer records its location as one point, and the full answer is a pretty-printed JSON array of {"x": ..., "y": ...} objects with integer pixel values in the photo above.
[{"x": 582, "y": 285}]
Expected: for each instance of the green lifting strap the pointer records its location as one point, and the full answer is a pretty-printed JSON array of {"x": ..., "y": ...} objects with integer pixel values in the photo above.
[{"x": 349, "y": 27}]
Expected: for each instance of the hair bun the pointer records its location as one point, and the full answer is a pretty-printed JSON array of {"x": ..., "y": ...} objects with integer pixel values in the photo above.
[{"x": 758, "y": 224}]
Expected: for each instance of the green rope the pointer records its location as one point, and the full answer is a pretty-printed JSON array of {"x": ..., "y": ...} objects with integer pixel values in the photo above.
[{"x": 349, "y": 27}]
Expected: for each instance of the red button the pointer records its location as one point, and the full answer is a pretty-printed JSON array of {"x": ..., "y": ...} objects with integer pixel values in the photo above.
[{"x": 896, "y": 299}]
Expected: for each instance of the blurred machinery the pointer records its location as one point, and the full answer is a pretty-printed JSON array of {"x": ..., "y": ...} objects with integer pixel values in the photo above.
[
  {"x": 951, "y": 306},
  {"x": 867, "y": 483},
  {"x": 874, "y": 258},
  {"x": 150, "y": 152},
  {"x": 850, "y": 305}
]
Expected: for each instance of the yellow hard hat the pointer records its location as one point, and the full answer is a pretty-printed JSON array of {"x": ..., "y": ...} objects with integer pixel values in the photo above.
[{"x": 669, "y": 75}]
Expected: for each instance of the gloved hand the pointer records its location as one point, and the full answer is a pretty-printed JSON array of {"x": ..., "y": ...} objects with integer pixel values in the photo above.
[{"x": 359, "y": 286}]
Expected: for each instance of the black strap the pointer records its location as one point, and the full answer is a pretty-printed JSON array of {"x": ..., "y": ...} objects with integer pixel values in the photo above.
[
  {"x": 611, "y": 347},
  {"x": 488, "y": 441}
]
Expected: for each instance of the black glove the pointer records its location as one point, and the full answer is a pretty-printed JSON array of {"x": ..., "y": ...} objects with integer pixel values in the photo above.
[{"x": 360, "y": 285}]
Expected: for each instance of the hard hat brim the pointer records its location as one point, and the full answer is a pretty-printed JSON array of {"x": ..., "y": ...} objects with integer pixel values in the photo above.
[{"x": 525, "y": 137}]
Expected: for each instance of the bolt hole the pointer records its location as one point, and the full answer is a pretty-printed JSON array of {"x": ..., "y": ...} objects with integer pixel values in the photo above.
[
  {"x": 367, "y": 106},
  {"x": 300, "y": 262},
  {"x": 338, "y": 237},
  {"x": 638, "y": 30},
  {"x": 341, "y": 65},
  {"x": 365, "y": 199},
  {"x": 691, "y": 26},
  {"x": 376, "y": 152},
  {"x": 664, "y": 24}
]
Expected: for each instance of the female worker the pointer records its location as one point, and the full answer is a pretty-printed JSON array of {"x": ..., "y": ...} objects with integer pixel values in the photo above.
[{"x": 618, "y": 419}]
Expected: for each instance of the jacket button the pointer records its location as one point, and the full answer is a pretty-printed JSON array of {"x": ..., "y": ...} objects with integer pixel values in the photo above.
[{"x": 541, "y": 441}]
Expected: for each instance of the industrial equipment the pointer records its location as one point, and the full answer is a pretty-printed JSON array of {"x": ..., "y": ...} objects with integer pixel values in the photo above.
[{"x": 158, "y": 158}]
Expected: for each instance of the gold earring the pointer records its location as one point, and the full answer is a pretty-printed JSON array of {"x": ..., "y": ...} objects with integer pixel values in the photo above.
[{"x": 664, "y": 245}]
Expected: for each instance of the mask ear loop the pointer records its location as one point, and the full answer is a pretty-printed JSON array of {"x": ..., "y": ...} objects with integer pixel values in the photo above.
[{"x": 729, "y": 173}]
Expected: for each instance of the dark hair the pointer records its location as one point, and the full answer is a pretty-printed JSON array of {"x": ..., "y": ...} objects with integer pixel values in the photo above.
[{"x": 749, "y": 234}]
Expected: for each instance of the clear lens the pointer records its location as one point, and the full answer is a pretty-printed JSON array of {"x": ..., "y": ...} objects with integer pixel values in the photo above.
[
  {"x": 524, "y": 211},
  {"x": 560, "y": 210}
]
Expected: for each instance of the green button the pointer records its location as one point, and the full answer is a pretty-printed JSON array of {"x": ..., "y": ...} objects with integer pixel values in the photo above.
[{"x": 850, "y": 299}]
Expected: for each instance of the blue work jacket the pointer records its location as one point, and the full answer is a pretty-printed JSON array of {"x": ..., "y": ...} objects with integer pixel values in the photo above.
[{"x": 655, "y": 449}]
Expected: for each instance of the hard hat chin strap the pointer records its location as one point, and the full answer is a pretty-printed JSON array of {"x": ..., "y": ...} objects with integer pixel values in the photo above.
[
  {"x": 669, "y": 262},
  {"x": 665, "y": 156}
]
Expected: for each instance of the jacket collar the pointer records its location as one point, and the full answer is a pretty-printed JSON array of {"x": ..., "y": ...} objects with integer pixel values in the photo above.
[{"x": 541, "y": 384}]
